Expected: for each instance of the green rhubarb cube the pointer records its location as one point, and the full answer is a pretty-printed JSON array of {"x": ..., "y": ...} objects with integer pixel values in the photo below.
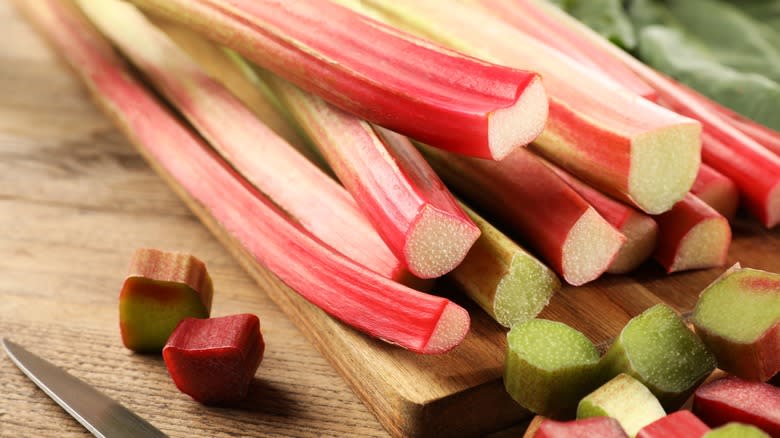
[
  {"x": 658, "y": 349},
  {"x": 549, "y": 366},
  {"x": 625, "y": 399}
]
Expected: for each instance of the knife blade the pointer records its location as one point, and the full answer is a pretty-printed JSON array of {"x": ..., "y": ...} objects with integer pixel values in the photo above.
[{"x": 97, "y": 412}]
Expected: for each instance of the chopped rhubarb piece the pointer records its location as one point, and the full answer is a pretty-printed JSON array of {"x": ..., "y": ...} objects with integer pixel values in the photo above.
[
  {"x": 377, "y": 72},
  {"x": 549, "y": 366},
  {"x": 735, "y": 400},
  {"x": 243, "y": 217},
  {"x": 602, "y": 427},
  {"x": 680, "y": 424},
  {"x": 736, "y": 430},
  {"x": 523, "y": 193},
  {"x": 525, "y": 15},
  {"x": 214, "y": 360},
  {"x": 625, "y": 399},
  {"x": 738, "y": 317},
  {"x": 716, "y": 190},
  {"x": 510, "y": 284},
  {"x": 641, "y": 230},
  {"x": 600, "y": 132},
  {"x": 296, "y": 185},
  {"x": 692, "y": 236},
  {"x": 658, "y": 349},
  {"x": 161, "y": 288},
  {"x": 392, "y": 183}
]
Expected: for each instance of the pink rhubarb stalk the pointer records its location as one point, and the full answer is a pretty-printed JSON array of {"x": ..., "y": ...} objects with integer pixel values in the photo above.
[
  {"x": 526, "y": 16},
  {"x": 249, "y": 221},
  {"x": 520, "y": 191},
  {"x": 376, "y": 72},
  {"x": 692, "y": 236},
  {"x": 716, "y": 189},
  {"x": 296, "y": 185},
  {"x": 753, "y": 168},
  {"x": 397, "y": 190},
  {"x": 599, "y": 131},
  {"x": 640, "y": 230}
]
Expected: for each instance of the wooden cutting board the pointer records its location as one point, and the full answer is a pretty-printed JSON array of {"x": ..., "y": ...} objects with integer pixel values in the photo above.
[{"x": 461, "y": 393}]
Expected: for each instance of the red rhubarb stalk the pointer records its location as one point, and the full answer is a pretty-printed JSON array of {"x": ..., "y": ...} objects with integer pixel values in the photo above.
[
  {"x": 597, "y": 130},
  {"x": 692, "y": 236},
  {"x": 640, "y": 230},
  {"x": 716, "y": 190},
  {"x": 376, "y": 72},
  {"x": 529, "y": 198},
  {"x": 397, "y": 190},
  {"x": 753, "y": 168},
  {"x": 296, "y": 185},
  {"x": 526, "y": 16},
  {"x": 216, "y": 192},
  {"x": 765, "y": 136}
]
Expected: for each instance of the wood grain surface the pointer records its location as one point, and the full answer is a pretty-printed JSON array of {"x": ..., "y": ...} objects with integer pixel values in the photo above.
[{"x": 76, "y": 199}]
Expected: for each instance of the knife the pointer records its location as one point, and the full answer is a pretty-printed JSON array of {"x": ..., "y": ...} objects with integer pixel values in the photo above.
[{"x": 100, "y": 414}]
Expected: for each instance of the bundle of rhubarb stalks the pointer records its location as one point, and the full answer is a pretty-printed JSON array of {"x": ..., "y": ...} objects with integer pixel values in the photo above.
[{"x": 325, "y": 137}]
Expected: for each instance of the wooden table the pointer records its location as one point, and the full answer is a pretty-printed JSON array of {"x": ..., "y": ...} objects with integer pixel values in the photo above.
[{"x": 75, "y": 201}]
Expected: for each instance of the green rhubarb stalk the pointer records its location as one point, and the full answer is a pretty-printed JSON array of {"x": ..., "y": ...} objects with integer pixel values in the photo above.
[{"x": 510, "y": 284}]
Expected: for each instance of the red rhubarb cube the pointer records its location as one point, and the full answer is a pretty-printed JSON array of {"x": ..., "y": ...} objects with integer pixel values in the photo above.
[
  {"x": 603, "y": 427},
  {"x": 214, "y": 360},
  {"x": 735, "y": 400},
  {"x": 681, "y": 424}
]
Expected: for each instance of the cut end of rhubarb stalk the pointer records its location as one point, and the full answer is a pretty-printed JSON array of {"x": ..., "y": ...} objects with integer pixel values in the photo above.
[
  {"x": 706, "y": 245},
  {"x": 738, "y": 317},
  {"x": 525, "y": 291},
  {"x": 438, "y": 242},
  {"x": 641, "y": 232},
  {"x": 664, "y": 165},
  {"x": 449, "y": 331},
  {"x": 519, "y": 124},
  {"x": 590, "y": 247}
]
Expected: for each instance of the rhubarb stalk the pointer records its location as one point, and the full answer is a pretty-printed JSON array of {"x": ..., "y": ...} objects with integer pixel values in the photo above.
[
  {"x": 528, "y": 197},
  {"x": 296, "y": 185},
  {"x": 692, "y": 236},
  {"x": 597, "y": 130},
  {"x": 245, "y": 217},
  {"x": 716, "y": 190},
  {"x": 753, "y": 168},
  {"x": 397, "y": 190},
  {"x": 510, "y": 284},
  {"x": 640, "y": 230},
  {"x": 376, "y": 72},
  {"x": 524, "y": 15}
]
